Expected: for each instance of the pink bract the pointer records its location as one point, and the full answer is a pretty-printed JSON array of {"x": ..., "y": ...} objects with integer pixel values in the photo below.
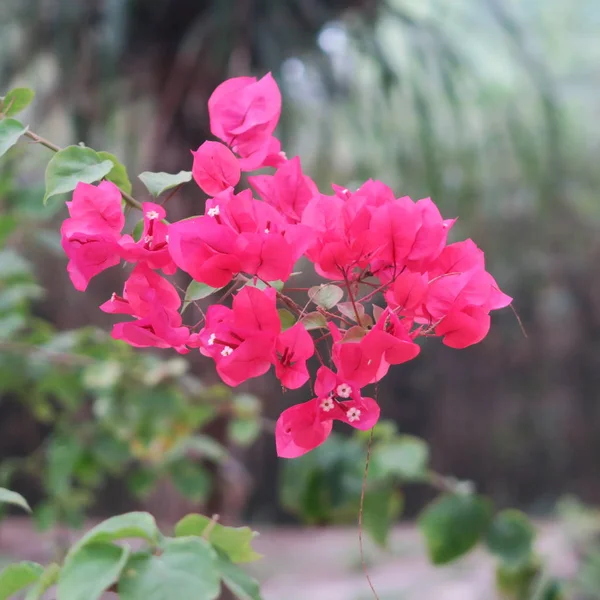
[{"x": 368, "y": 244}]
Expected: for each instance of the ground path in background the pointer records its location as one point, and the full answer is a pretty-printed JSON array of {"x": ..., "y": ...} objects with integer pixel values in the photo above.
[{"x": 324, "y": 564}]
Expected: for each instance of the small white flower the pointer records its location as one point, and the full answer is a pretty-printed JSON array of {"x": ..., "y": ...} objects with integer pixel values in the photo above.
[
  {"x": 147, "y": 239},
  {"x": 152, "y": 214},
  {"x": 211, "y": 339},
  {"x": 226, "y": 351},
  {"x": 353, "y": 414},
  {"x": 327, "y": 404},
  {"x": 343, "y": 390},
  {"x": 213, "y": 212}
]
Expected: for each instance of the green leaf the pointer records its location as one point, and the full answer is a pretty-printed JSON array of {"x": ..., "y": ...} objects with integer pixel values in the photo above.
[
  {"x": 10, "y": 132},
  {"x": 45, "y": 515},
  {"x": 510, "y": 537},
  {"x": 17, "y": 577},
  {"x": 235, "y": 542},
  {"x": 90, "y": 571},
  {"x": 314, "y": 320},
  {"x": 157, "y": 183},
  {"x": 326, "y": 296},
  {"x": 244, "y": 432},
  {"x": 518, "y": 583},
  {"x": 347, "y": 309},
  {"x": 453, "y": 524},
  {"x": 261, "y": 285},
  {"x": 46, "y": 580},
  {"x": 286, "y": 318},
  {"x": 405, "y": 457},
  {"x": 186, "y": 570},
  {"x": 16, "y": 100},
  {"x": 353, "y": 334},
  {"x": 72, "y": 165},
  {"x": 118, "y": 173},
  {"x": 381, "y": 508},
  {"x": 10, "y": 497},
  {"x": 240, "y": 584},
  {"x": 130, "y": 525},
  {"x": 197, "y": 291},
  {"x": 191, "y": 480},
  {"x": 63, "y": 454},
  {"x": 136, "y": 234}
]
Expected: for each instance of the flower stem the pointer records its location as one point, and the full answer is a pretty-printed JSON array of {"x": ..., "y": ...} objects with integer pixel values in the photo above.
[{"x": 351, "y": 296}]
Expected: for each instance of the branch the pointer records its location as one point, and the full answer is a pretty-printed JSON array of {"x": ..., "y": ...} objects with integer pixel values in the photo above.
[{"x": 130, "y": 200}]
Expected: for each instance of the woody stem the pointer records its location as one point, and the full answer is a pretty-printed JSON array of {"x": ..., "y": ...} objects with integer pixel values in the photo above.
[
  {"x": 130, "y": 200},
  {"x": 351, "y": 296}
]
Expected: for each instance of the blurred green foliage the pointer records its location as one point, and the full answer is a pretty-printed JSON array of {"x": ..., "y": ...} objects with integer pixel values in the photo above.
[{"x": 111, "y": 411}]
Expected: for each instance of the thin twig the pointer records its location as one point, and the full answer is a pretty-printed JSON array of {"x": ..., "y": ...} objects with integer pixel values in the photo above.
[
  {"x": 351, "y": 296},
  {"x": 360, "y": 517},
  {"x": 518, "y": 320}
]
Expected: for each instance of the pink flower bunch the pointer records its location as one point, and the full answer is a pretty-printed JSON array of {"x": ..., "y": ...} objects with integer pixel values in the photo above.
[{"x": 364, "y": 244}]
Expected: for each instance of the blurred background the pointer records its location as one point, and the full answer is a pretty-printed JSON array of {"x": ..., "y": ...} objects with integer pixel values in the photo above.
[{"x": 488, "y": 106}]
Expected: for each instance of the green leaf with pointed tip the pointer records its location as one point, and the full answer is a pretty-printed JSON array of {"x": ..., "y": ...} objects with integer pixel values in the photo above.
[
  {"x": 73, "y": 165},
  {"x": 90, "y": 571},
  {"x": 186, "y": 570},
  {"x": 10, "y": 132},
  {"x": 314, "y": 320},
  {"x": 10, "y": 497},
  {"x": 46, "y": 580},
  {"x": 17, "y": 577},
  {"x": 197, "y": 291},
  {"x": 16, "y": 100},
  {"x": 286, "y": 318},
  {"x": 347, "y": 309},
  {"x": 157, "y": 183},
  {"x": 453, "y": 524},
  {"x": 118, "y": 174},
  {"x": 240, "y": 584},
  {"x": 235, "y": 542},
  {"x": 326, "y": 295},
  {"x": 381, "y": 508},
  {"x": 510, "y": 537},
  {"x": 130, "y": 525}
]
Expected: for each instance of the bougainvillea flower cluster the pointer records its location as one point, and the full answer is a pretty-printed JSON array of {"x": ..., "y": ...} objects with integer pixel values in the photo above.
[{"x": 387, "y": 276}]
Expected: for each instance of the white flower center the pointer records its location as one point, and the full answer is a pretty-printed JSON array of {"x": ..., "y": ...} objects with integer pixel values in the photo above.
[
  {"x": 327, "y": 404},
  {"x": 353, "y": 414},
  {"x": 226, "y": 351},
  {"x": 343, "y": 390},
  {"x": 267, "y": 230},
  {"x": 213, "y": 212},
  {"x": 152, "y": 214},
  {"x": 147, "y": 239},
  {"x": 211, "y": 339}
]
